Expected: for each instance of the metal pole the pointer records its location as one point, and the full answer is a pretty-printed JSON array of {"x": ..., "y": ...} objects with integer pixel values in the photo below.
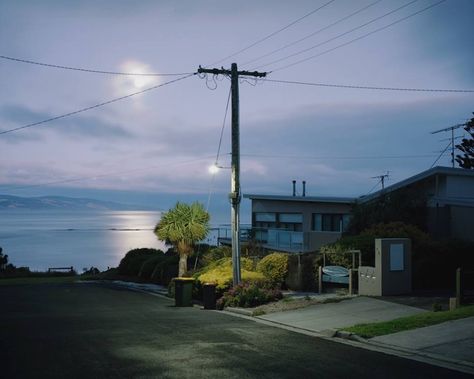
[
  {"x": 452, "y": 146},
  {"x": 235, "y": 180}
]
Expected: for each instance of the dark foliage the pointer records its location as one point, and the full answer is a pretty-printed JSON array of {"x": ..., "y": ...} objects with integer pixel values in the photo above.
[
  {"x": 466, "y": 147},
  {"x": 407, "y": 205},
  {"x": 134, "y": 259},
  {"x": 248, "y": 295}
]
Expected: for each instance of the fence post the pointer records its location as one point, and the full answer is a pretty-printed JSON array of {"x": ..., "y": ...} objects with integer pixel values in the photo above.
[
  {"x": 320, "y": 279},
  {"x": 459, "y": 289},
  {"x": 351, "y": 284}
]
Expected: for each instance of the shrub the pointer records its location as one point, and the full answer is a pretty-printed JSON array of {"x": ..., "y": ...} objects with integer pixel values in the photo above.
[
  {"x": 248, "y": 295},
  {"x": 220, "y": 273},
  {"x": 134, "y": 259},
  {"x": 214, "y": 254},
  {"x": 150, "y": 263},
  {"x": 274, "y": 267},
  {"x": 165, "y": 269}
]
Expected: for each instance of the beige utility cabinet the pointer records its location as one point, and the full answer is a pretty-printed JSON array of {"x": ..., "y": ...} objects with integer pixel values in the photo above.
[{"x": 392, "y": 272}]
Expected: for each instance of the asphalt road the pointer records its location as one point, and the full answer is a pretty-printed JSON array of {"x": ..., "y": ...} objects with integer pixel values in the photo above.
[{"x": 91, "y": 331}]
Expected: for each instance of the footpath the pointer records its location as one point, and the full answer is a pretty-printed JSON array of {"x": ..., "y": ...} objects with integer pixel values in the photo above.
[{"x": 449, "y": 344}]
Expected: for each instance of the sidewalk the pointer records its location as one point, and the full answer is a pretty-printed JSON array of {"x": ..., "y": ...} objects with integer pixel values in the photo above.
[{"x": 450, "y": 344}]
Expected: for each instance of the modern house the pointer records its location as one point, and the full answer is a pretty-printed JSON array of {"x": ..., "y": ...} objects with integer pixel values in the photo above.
[
  {"x": 300, "y": 224},
  {"x": 449, "y": 196}
]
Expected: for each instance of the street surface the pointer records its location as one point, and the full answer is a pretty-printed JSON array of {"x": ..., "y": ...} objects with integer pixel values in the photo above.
[{"x": 90, "y": 331}]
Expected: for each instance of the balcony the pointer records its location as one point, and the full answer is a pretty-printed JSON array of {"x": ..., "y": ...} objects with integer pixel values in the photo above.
[{"x": 272, "y": 239}]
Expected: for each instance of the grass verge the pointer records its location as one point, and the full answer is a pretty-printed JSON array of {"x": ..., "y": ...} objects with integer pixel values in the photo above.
[{"x": 410, "y": 322}]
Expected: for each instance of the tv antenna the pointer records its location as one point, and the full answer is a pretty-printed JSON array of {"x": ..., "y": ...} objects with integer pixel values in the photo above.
[
  {"x": 452, "y": 128},
  {"x": 382, "y": 178}
]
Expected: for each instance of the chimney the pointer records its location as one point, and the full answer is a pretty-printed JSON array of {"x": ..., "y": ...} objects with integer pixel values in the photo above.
[
  {"x": 294, "y": 187},
  {"x": 304, "y": 188}
]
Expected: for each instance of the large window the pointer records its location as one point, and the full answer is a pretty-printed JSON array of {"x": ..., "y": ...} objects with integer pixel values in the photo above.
[
  {"x": 330, "y": 222},
  {"x": 287, "y": 221}
]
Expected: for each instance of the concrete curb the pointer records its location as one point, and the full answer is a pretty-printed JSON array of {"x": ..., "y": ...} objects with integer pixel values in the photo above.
[{"x": 330, "y": 335}]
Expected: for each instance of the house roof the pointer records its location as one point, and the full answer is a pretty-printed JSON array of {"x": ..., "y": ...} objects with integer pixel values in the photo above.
[
  {"x": 307, "y": 199},
  {"x": 418, "y": 178}
]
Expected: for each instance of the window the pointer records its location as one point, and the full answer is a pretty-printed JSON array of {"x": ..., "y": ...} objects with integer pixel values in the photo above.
[
  {"x": 290, "y": 221},
  {"x": 265, "y": 217},
  {"x": 330, "y": 222}
]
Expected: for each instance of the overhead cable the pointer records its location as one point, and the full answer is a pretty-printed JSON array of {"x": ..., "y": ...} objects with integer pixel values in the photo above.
[
  {"x": 272, "y": 34},
  {"x": 339, "y": 35},
  {"x": 89, "y": 70},
  {"x": 313, "y": 33},
  {"x": 402, "y": 89},
  {"x": 93, "y": 106},
  {"x": 358, "y": 38},
  {"x": 104, "y": 175},
  {"x": 329, "y": 157}
]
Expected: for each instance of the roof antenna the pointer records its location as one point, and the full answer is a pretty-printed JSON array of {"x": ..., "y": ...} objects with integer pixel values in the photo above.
[{"x": 382, "y": 178}]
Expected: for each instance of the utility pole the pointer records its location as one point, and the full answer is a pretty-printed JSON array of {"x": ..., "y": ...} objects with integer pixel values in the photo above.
[
  {"x": 452, "y": 138},
  {"x": 235, "y": 195}
]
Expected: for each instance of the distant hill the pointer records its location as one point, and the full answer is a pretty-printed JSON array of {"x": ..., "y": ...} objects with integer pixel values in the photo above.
[{"x": 61, "y": 202}]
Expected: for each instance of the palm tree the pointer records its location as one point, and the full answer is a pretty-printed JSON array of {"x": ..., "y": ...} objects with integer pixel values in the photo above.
[{"x": 183, "y": 226}]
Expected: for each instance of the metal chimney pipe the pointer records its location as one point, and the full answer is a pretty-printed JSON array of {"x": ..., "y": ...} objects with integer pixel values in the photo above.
[
  {"x": 294, "y": 187},
  {"x": 304, "y": 188}
]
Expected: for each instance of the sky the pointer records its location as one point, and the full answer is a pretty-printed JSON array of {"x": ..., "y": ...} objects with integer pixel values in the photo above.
[{"x": 156, "y": 147}]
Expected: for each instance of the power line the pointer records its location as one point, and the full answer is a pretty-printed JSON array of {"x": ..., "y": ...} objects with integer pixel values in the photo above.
[
  {"x": 403, "y": 89},
  {"x": 103, "y": 175},
  {"x": 356, "y": 39},
  {"x": 94, "y": 106},
  {"x": 89, "y": 70},
  {"x": 442, "y": 153},
  {"x": 340, "y": 35},
  {"x": 272, "y": 34},
  {"x": 223, "y": 126},
  {"x": 368, "y": 157},
  {"x": 314, "y": 33}
]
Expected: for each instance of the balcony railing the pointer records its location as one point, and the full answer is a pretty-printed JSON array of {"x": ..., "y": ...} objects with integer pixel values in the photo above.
[{"x": 278, "y": 239}]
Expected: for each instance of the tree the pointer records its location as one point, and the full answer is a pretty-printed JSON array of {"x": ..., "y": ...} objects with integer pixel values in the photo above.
[
  {"x": 3, "y": 260},
  {"x": 183, "y": 226},
  {"x": 466, "y": 160}
]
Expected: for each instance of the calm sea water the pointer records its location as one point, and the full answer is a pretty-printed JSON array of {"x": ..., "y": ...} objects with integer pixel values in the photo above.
[{"x": 43, "y": 239}]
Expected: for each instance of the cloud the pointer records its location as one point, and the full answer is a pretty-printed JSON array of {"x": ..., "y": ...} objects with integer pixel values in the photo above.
[{"x": 74, "y": 126}]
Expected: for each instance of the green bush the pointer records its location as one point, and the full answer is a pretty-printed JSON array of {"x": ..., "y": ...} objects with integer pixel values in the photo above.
[
  {"x": 134, "y": 259},
  {"x": 165, "y": 269},
  {"x": 150, "y": 263},
  {"x": 212, "y": 255},
  {"x": 275, "y": 268},
  {"x": 248, "y": 295},
  {"x": 220, "y": 273}
]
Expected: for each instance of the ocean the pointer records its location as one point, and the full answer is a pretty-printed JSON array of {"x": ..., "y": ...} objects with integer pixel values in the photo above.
[{"x": 42, "y": 239}]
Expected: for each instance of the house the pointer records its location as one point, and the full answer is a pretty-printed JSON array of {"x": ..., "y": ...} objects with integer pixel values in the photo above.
[
  {"x": 300, "y": 224},
  {"x": 449, "y": 196}
]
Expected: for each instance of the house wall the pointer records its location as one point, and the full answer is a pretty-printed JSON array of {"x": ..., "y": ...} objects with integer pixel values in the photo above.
[
  {"x": 318, "y": 239},
  {"x": 305, "y": 208},
  {"x": 461, "y": 222},
  {"x": 313, "y": 240},
  {"x": 460, "y": 187}
]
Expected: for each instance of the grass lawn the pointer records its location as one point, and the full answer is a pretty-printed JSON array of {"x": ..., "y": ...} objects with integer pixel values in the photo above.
[
  {"x": 37, "y": 280},
  {"x": 410, "y": 322}
]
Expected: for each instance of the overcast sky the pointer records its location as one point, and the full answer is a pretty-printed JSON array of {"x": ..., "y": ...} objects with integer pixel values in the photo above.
[{"x": 162, "y": 142}]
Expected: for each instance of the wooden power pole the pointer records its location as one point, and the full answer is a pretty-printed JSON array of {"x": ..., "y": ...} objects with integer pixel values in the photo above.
[{"x": 235, "y": 195}]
